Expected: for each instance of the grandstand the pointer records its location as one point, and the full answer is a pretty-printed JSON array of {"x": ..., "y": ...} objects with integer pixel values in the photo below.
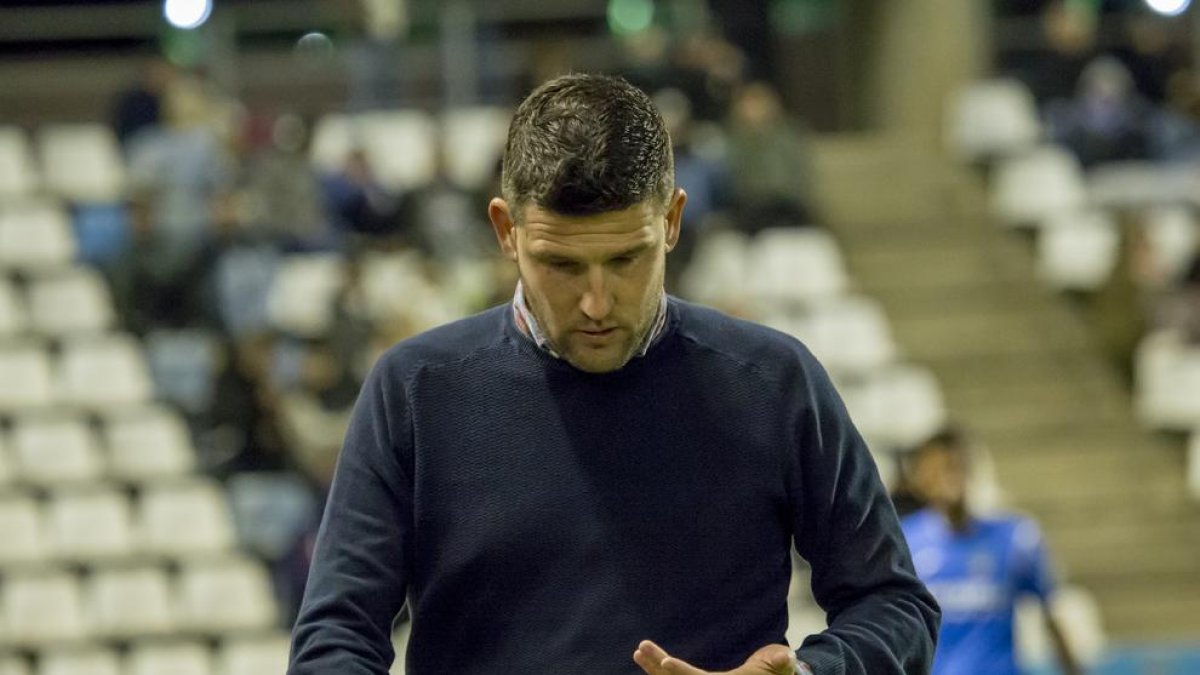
[{"x": 161, "y": 471}]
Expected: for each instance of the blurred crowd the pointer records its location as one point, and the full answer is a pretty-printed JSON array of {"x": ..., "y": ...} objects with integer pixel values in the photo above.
[{"x": 264, "y": 286}]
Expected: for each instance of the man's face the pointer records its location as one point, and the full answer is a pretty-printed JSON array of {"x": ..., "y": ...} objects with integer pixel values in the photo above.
[
  {"x": 940, "y": 476},
  {"x": 592, "y": 282}
]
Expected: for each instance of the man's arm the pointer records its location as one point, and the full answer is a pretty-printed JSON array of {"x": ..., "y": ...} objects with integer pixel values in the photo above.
[
  {"x": 882, "y": 620},
  {"x": 359, "y": 574},
  {"x": 1066, "y": 658}
]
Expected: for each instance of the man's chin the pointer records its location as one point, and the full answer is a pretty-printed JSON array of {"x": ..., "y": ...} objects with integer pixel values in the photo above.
[{"x": 596, "y": 361}]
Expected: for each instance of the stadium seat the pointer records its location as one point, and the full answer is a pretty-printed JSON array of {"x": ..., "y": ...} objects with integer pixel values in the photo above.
[
  {"x": 55, "y": 448},
  {"x": 70, "y": 301},
  {"x": 170, "y": 658},
  {"x": 253, "y": 656},
  {"x": 849, "y": 334},
  {"x": 38, "y": 608},
  {"x": 1166, "y": 379},
  {"x": 104, "y": 372},
  {"x": 1078, "y": 250},
  {"x": 400, "y": 145},
  {"x": 84, "y": 661},
  {"x": 18, "y": 176},
  {"x": 185, "y": 518},
  {"x": 272, "y": 510},
  {"x": 719, "y": 269},
  {"x": 303, "y": 292},
  {"x": 225, "y": 596},
  {"x": 898, "y": 406},
  {"x": 184, "y": 365},
  {"x": 472, "y": 142},
  {"x": 991, "y": 118},
  {"x": 23, "y": 541},
  {"x": 14, "y": 317},
  {"x": 1173, "y": 235},
  {"x": 795, "y": 265},
  {"x": 127, "y": 602},
  {"x": 35, "y": 235},
  {"x": 25, "y": 377},
  {"x": 1037, "y": 184},
  {"x": 147, "y": 443},
  {"x": 82, "y": 162},
  {"x": 89, "y": 525}
]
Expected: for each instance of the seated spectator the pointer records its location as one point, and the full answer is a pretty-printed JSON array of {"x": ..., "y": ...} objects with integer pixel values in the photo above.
[
  {"x": 769, "y": 160},
  {"x": 1107, "y": 120},
  {"x": 357, "y": 202}
]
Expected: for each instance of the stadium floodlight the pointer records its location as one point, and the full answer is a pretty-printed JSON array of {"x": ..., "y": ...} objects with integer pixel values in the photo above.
[
  {"x": 1169, "y": 7},
  {"x": 187, "y": 14}
]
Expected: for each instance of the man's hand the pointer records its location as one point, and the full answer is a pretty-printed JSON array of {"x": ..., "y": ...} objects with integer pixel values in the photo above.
[{"x": 770, "y": 660}]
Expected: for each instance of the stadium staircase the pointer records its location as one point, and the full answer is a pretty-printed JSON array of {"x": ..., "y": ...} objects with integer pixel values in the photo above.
[{"x": 1022, "y": 373}]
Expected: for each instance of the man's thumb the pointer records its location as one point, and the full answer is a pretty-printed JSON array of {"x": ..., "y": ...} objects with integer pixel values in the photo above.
[{"x": 779, "y": 659}]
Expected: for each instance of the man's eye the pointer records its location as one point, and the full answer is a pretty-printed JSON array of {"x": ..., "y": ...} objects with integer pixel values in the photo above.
[
  {"x": 621, "y": 261},
  {"x": 564, "y": 265}
]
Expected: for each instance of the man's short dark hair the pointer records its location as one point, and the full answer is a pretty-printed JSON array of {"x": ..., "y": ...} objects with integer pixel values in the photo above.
[{"x": 583, "y": 144}]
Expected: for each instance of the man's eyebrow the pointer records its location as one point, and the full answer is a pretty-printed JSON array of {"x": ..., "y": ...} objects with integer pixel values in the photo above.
[{"x": 631, "y": 251}]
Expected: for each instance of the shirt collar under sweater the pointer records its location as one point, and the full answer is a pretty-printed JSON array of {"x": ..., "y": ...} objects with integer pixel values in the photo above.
[{"x": 529, "y": 326}]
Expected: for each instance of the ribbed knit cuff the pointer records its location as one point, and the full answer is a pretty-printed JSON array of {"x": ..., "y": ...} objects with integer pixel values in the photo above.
[{"x": 821, "y": 662}]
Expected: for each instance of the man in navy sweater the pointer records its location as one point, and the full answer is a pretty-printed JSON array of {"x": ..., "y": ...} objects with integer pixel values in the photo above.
[{"x": 598, "y": 478}]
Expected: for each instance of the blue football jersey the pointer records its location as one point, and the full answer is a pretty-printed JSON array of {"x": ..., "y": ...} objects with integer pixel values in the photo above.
[{"x": 977, "y": 576}]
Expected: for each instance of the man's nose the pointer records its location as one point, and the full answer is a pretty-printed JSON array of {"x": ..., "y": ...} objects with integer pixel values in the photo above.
[{"x": 596, "y": 302}]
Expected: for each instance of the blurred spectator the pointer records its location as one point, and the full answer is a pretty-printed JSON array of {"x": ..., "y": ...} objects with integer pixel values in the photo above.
[
  {"x": 140, "y": 107},
  {"x": 976, "y": 566},
  {"x": 446, "y": 218},
  {"x": 1120, "y": 307},
  {"x": 769, "y": 160},
  {"x": 358, "y": 202},
  {"x": 1180, "y": 311},
  {"x": 1107, "y": 119},
  {"x": 374, "y": 59},
  {"x": 1175, "y": 130},
  {"x": 284, "y": 191},
  {"x": 1152, "y": 54},
  {"x": 1069, "y": 29}
]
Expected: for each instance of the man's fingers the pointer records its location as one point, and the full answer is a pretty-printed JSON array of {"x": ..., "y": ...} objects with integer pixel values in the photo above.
[
  {"x": 656, "y": 661},
  {"x": 776, "y": 659}
]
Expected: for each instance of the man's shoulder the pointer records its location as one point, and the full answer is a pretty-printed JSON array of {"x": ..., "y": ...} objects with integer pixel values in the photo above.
[
  {"x": 740, "y": 339},
  {"x": 448, "y": 343}
]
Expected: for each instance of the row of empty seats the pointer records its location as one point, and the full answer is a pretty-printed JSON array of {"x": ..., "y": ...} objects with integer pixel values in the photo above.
[
  {"x": 206, "y": 596},
  {"x": 93, "y": 372},
  {"x": 56, "y": 303},
  {"x": 261, "y": 655},
  {"x": 103, "y": 524}
]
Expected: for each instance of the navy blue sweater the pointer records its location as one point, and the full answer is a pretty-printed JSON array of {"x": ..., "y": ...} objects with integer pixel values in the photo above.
[{"x": 542, "y": 520}]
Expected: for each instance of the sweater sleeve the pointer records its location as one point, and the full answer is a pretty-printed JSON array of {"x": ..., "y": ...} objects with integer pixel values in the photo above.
[
  {"x": 881, "y": 618},
  {"x": 360, "y": 569}
]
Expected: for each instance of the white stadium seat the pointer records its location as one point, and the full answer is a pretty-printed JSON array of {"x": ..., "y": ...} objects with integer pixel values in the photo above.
[
  {"x": 255, "y": 656},
  {"x": 147, "y": 443},
  {"x": 899, "y": 406},
  {"x": 789, "y": 265},
  {"x": 41, "y": 608},
  {"x": 1173, "y": 235},
  {"x": 26, "y": 382},
  {"x": 82, "y": 162},
  {"x": 990, "y": 118},
  {"x": 127, "y": 602},
  {"x": 1037, "y": 184},
  {"x": 70, "y": 301},
  {"x": 20, "y": 521},
  {"x": 35, "y": 235},
  {"x": 302, "y": 294},
  {"x": 1135, "y": 184},
  {"x": 58, "y": 448},
  {"x": 18, "y": 176},
  {"x": 104, "y": 372},
  {"x": 1078, "y": 250},
  {"x": 185, "y": 518},
  {"x": 173, "y": 658},
  {"x": 472, "y": 142},
  {"x": 89, "y": 525},
  {"x": 849, "y": 334},
  {"x": 85, "y": 661},
  {"x": 400, "y": 145},
  {"x": 719, "y": 268},
  {"x": 14, "y": 315},
  {"x": 225, "y": 596},
  {"x": 1166, "y": 379}
]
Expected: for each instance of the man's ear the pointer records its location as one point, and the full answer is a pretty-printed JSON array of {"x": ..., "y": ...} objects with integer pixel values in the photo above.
[
  {"x": 675, "y": 218},
  {"x": 504, "y": 226}
]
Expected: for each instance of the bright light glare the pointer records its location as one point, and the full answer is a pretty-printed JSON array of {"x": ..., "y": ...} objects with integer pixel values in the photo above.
[
  {"x": 1169, "y": 7},
  {"x": 187, "y": 14}
]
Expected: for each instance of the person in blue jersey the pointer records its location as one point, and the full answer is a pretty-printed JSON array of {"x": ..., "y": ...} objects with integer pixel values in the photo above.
[
  {"x": 596, "y": 477},
  {"x": 976, "y": 566}
]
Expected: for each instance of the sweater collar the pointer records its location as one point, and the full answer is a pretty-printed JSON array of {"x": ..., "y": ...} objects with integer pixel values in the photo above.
[{"x": 529, "y": 327}]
